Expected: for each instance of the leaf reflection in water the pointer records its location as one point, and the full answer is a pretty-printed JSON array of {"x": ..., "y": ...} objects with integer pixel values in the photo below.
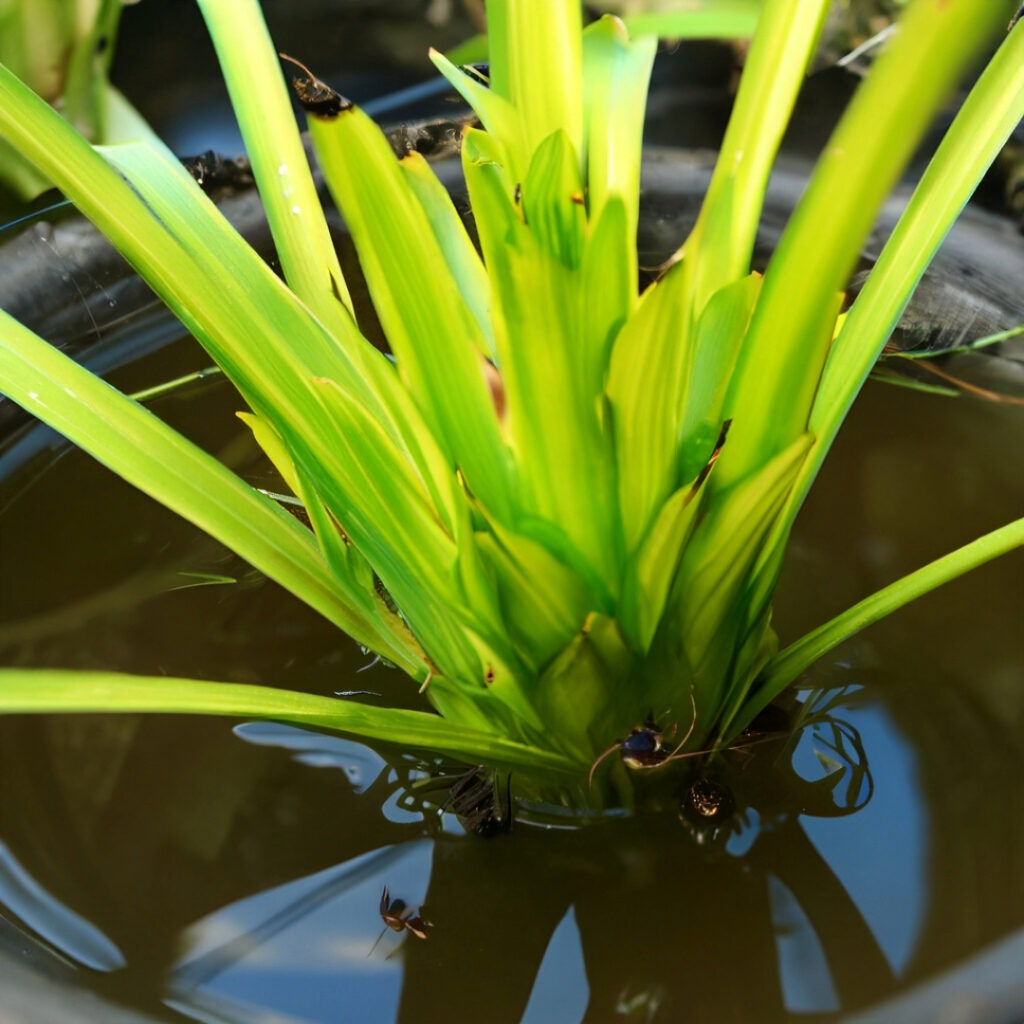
[
  {"x": 642, "y": 919},
  {"x": 622, "y": 920}
]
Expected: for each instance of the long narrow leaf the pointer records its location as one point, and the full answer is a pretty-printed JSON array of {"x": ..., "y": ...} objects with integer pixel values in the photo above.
[
  {"x": 266, "y": 340},
  {"x": 616, "y": 72},
  {"x": 794, "y": 321},
  {"x": 496, "y": 113},
  {"x": 352, "y": 573},
  {"x": 220, "y": 289},
  {"x": 645, "y": 386},
  {"x": 260, "y": 102},
  {"x": 436, "y": 340},
  {"x": 787, "y": 665},
  {"x": 141, "y": 448},
  {"x": 461, "y": 258},
  {"x": 278, "y": 349},
  {"x": 719, "y": 248},
  {"x": 31, "y": 691},
  {"x": 738, "y": 22},
  {"x": 523, "y": 38},
  {"x": 718, "y": 560},
  {"x": 993, "y": 107}
]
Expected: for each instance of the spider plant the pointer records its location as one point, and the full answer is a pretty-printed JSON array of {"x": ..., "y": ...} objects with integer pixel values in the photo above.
[{"x": 560, "y": 505}]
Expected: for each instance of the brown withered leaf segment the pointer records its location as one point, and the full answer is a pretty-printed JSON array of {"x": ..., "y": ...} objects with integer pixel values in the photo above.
[
  {"x": 316, "y": 96},
  {"x": 220, "y": 176}
]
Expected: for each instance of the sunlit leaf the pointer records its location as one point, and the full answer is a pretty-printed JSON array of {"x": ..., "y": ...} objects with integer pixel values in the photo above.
[
  {"x": 28, "y": 691},
  {"x": 437, "y": 341}
]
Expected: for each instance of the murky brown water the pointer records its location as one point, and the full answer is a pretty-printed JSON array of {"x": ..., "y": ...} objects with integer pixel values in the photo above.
[{"x": 209, "y": 870}]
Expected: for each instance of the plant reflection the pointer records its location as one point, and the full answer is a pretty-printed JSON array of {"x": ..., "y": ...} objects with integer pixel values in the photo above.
[
  {"x": 270, "y": 904},
  {"x": 639, "y": 901},
  {"x": 650, "y": 896}
]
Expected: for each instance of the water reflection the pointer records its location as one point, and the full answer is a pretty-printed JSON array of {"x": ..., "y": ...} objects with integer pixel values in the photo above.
[
  {"x": 632, "y": 919},
  {"x": 54, "y": 923},
  {"x": 662, "y": 913},
  {"x": 268, "y": 909},
  {"x": 239, "y": 876},
  {"x": 891, "y": 901},
  {"x": 560, "y": 990},
  {"x": 306, "y": 948}
]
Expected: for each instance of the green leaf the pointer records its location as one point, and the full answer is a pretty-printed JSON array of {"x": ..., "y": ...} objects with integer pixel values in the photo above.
[
  {"x": 278, "y": 350},
  {"x": 202, "y": 579},
  {"x": 138, "y": 446},
  {"x": 718, "y": 560},
  {"x": 55, "y": 46},
  {"x": 719, "y": 248},
  {"x": 438, "y": 588},
  {"x": 470, "y": 51},
  {"x": 701, "y": 19},
  {"x": 650, "y": 573},
  {"x": 792, "y": 327},
  {"x": 992, "y": 108},
  {"x": 266, "y": 341},
  {"x": 543, "y": 601},
  {"x": 554, "y": 420},
  {"x": 536, "y": 64},
  {"x": 270, "y": 444},
  {"x": 991, "y": 111},
  {"x": 719, "y": 336},
  {"x": 48, "y": 691},
  {"x": 788, "y": 664},
  {"x": 352, "y": 573},
  {"x": 553, "y": 201},
  {"x": 583, "y": 694},
  {"x": 460, "y": 255},
  {"x": 888, "y": 376},
  {"x": 971, "y": 345},
  {"x": 262, "y": 106},
  {"x": 71, "y": 164},
  {"x": 373, "y": 493},
  {"x": 649, "y": 364},
  {"x": 496, "y": 114},
  {"x": 609, "y": 289},
  {"x": 436, "y": 340},
  {"x": 616, "y": 72}
]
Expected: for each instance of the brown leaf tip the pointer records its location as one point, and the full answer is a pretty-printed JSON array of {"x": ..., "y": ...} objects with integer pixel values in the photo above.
[{"x": 315, "y": 96}]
